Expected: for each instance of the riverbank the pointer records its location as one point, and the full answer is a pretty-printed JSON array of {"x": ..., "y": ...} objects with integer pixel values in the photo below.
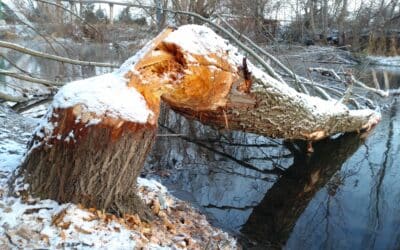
[{"x": 28, "y": 222}]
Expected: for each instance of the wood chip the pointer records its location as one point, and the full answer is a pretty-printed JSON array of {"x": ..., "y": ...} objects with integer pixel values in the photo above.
[
  {"x": 58, "y": 218},
  {"x": 81, "y": 230}
]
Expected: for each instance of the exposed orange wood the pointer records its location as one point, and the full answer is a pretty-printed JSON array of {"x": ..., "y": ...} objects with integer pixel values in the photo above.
[
  {"x": 196, "y": 83},
  {"x": 155, "y": 42}
]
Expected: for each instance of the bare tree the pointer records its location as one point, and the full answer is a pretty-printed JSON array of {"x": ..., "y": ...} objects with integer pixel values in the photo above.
[
  {"x": 204, "y": 8},
  {"x": 341, "y": 22}
]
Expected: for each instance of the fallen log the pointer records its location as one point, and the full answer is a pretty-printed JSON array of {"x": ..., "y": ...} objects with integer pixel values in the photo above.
[{"x": 97, "y": 133}]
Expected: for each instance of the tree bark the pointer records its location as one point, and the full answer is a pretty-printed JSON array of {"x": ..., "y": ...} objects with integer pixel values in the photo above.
[
  {"x": 97, "y": 167},
  {"x": 195, "y": 72},
  {"x": 111, "y": 14},
  {"x": 342, "y": 20}
]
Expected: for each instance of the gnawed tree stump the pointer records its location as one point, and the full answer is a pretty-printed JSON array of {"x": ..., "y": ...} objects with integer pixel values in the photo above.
[
  {"x": 90, "y": 153},
  {"x": 95, "y": 138}
]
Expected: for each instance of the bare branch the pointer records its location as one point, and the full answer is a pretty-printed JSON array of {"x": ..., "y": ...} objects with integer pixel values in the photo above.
[
  {"x": 333, "y": 74},
  {"x": 30, "y": 79},
  {"x": 394, "y": 92},
  {"x": 262, "y": 51},
  {"x": 347, "y": 93},
  {"x": 25, "y": 106},
  {"x": 376, "y": 91},
  {"x": 11, "y": 98},
  {"x": 53, "y": 57}
]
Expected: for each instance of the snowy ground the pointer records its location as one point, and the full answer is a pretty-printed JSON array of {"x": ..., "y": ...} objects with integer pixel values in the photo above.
[
  {"x": 26, "y": 222},
  {"x": 384, "y": 60}
]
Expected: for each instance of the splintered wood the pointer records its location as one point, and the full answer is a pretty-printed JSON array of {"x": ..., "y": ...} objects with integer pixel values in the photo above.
[{"x": 197, "y": 85}]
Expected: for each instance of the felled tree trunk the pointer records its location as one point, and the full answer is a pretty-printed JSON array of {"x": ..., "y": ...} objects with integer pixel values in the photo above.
[{"x": 92, "y": 145}]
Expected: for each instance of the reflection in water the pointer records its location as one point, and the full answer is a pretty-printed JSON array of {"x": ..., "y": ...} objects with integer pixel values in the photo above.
[
  {"x": 364, "y": 212},
  {"x": 274, "y": 218},
  {"x": 346, "y": 195},
  {"x": 226, "y": 174},
  {"x": 384, "y": 77}
]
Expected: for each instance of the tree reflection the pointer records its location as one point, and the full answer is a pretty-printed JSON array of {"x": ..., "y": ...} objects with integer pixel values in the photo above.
[{"x": 272, "y": 221}]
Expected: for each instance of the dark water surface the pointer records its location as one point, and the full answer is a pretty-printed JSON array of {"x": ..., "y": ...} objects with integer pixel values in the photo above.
[{"x": 271, "y": 194}]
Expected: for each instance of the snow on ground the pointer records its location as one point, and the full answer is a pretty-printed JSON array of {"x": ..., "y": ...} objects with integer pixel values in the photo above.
[
  {"x": 27, "y": 222},
  {"x": 384, "y": 61}
]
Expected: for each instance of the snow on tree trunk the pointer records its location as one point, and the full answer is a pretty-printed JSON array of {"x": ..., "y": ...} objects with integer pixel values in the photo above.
[{"x": 95, "y": 138}]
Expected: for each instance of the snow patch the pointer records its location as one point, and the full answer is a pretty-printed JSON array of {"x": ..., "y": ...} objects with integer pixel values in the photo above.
[
  {"x": 151, "y": 184},
  {"x": 384, "y": 61},
  {"x": 93, "y": 122},
  {"x": 105, "y": 95},
  {"x": 81, "y": 231},
  {"x": 201, "y": 40}
]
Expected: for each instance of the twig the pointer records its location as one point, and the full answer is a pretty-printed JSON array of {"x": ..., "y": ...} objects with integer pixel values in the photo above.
[
  {"x": 322, "y": 93},
  {"x": 262, "y": 51},
  {"x": 347, "y": 93},
  {"x": 376, "y": 91},
  {"x": 332, "y": 73},
  {"x": 53, "y": 57}
]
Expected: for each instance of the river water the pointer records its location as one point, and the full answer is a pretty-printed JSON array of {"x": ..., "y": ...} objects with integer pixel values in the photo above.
[{"x": 271, "y": 193}]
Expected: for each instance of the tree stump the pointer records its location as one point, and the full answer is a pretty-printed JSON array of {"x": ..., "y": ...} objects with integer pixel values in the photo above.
[
  {"x": 96, "y": 167},
  {"x": 87, "y": 156},
  {"x": 96, "y": 136}
]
